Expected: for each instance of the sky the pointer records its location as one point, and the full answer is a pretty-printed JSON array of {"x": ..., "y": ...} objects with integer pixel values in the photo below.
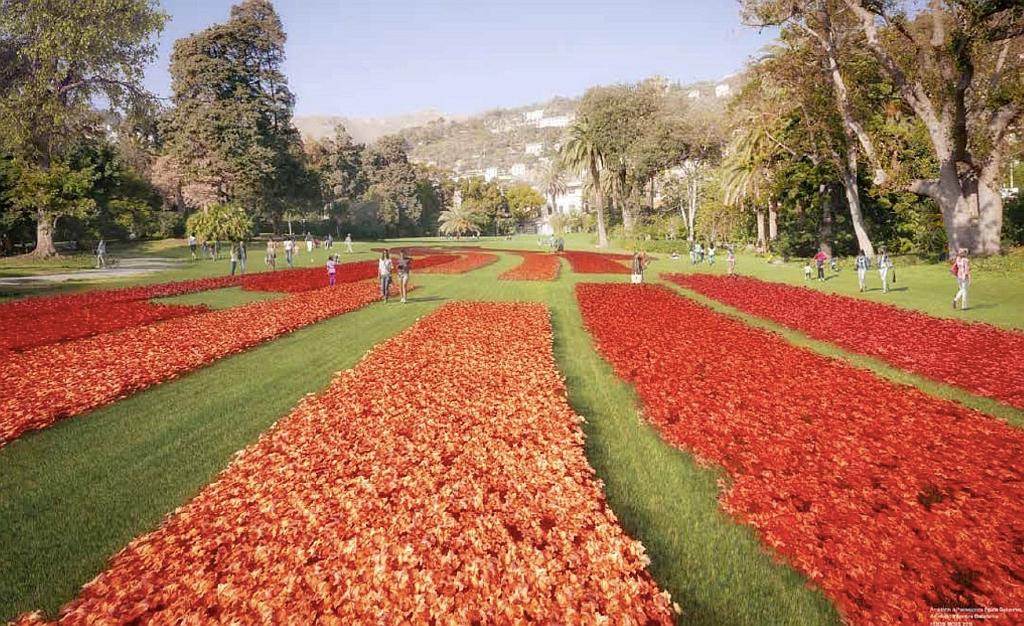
[{"x": 374, "y": 58}]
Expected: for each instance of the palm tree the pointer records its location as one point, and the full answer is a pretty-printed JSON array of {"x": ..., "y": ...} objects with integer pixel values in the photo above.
[
  {"x": 458, "y": 221},
  {"x": 747, "y": 174},
  {"x": 581, "y": 154},
  {"x": 554, "y": 183}
]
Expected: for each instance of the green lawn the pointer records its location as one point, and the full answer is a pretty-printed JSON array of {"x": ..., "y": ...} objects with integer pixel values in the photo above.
[{"x": 74, "y": 494}]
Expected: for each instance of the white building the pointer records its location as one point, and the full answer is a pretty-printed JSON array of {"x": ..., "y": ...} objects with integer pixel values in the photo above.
[
  {"x": 558, "y": 121},
  {"x": 532, "y": 117},
  {"x": 722, "y": 90},
  {"x": 518, "y": 170},
  {"x": 693, "y": 94},
  {"x": 534, "y": 148},
  {"x": 490, "y": 173}
]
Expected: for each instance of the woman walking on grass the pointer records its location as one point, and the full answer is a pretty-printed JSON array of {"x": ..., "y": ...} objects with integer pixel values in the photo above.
[
  {"x": 271, "y": 256},
  {"x": 637, "y": 268},
  {"x": 884, "y": 264},
  {"x": 862, "y": 264},
  {"x": 384, "y": 272},
  {"x": 404, "y": 268},
  {"x": 332, "y": 269},
  {"x": 961, "y": 268}
]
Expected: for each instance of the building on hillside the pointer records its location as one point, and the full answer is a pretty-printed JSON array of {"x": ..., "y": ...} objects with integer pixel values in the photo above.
[
  {"x": 533, "y": 117},
  {"x": 490, "y": 173},
  {"x": 722, "y": 91},
  {"x": 558, "y": 121},
  {"x": 534, "y": 149},
  {"x": 518, "y": 170}
]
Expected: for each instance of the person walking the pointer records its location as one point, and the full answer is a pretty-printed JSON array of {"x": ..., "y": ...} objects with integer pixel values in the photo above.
[
  {"x": 101, "y": 254},
  {"x": 711, "y": 254},
  {"x": 289, "y": 250},
  {"x": 309, "y": 246},
  {"x": 348, "y": 242},
  {"x": 884, "y": 265},
  {"x": 384, "y": 272},
  {"x": 332, "y": 269},
  {"x": 242, "y": 255},
  {"x": 234, "y": 258},
  {"x": 863, "y": 263},
  {"x": 404, "y": 269},
  {"x": 819, "y": 260},
  {"x": 731, "y": 259},
  {"x": 192, "y": 246},
  {"x": 271, "y": 256},
  {"x": 961, "y": 268},
  {"x": 329, "y": 242}
]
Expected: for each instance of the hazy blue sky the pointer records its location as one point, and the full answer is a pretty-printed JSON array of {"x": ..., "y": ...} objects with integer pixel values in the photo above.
[{"x": 383, "y": 57}]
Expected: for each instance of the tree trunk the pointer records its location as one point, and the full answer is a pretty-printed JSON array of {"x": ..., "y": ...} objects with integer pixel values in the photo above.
[
  {"x": 825, "y": 229},
  {"x": 45, "y": 226},
  {"x": 602, "y": 234},
  {"x": 853, "y": 199},
  {"x": 691, "y": 210},
  {"x": 990, "y": 219},
  {"x": 760, "y": 229},
  {"x": 773, "y": 222}
]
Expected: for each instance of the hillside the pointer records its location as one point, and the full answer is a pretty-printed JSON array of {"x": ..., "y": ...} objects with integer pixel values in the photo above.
[{"x": 505, "y": 144}]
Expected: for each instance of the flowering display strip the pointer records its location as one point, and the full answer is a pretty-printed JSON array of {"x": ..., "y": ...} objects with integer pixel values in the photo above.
[
  {"x": 596, "y": 262},
  {"x": 42, "y": 320},
  {"x": 84, "y": 321},
  {"x": 307, "y": 279},
  {"x": 442, "y": 480},
  {"x": 891, "y": 500},
  {"x": 466, "y": 262},
  {"x": 535, "y": 266},
  {"x": 47, "y": 383},
  {"x": 980, "y": 358}
]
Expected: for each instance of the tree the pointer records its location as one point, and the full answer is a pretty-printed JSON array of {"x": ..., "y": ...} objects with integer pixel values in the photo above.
[
  {"x": 58, "y": 60},
  {"x": 458, "y": 221},
  {"x": 231, "y": 125},
  {"x": 582, "y": 154},
  {"x": 524, "y": 202},
  {"x": 220, "y": 222},
  {"x": 555, "y": 184},
  {"x": 393, "y": 185}
]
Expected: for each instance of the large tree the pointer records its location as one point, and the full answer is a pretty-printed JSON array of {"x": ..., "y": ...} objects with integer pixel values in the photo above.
[
  {"x": 58, "y": 60},
  {"x": 231, "y": 125},
  {"x": 957, "y": 67},
  {"x": 393, "y": 185}
]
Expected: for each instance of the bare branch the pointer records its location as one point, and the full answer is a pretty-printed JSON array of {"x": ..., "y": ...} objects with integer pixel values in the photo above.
[{"x": 924, "y": 187}]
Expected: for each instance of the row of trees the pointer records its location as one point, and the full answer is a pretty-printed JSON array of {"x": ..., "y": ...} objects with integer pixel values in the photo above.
[
  {"x": 85, "y": 148},
  {"x": 866, "y": 122}
]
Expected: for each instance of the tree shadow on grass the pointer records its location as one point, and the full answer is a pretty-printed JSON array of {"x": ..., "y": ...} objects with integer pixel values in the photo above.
[{"x": 428, "y": 299}]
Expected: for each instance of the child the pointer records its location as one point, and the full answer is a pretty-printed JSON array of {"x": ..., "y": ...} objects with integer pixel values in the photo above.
[
  {"x": 807, "y": 271},
  {"x": 332, "y": 269}
]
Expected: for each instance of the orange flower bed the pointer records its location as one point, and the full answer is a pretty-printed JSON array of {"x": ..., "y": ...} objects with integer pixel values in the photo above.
[
  {"x": 442, "y": 480},
  {"x": 535, "y": 266},
  {"x": 467, "y": 262},
  {"x": 46, "y": 383}
]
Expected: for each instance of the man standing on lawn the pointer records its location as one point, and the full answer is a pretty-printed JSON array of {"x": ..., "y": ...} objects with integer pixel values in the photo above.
[
  {"x": 862, "y": 264},
  {"x": 819, "y": 260},
  {"x": 348, "y": 242}
]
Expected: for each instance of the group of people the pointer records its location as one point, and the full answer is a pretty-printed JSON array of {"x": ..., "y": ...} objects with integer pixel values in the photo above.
[
  {"x": 700, "y": 254},
  {"x": 205, "y": 250},
  {"x": 385, "y": 267}
]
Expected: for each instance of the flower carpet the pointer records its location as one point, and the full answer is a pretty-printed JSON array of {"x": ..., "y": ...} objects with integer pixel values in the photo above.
[
  {"x": 890, "y": 500},
  {"x": 442, "y": 480},
  {"x": 980, "y": 358}
]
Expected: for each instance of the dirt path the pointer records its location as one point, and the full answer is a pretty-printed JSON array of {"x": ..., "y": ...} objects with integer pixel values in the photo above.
[{"x": 127, "y": 267}]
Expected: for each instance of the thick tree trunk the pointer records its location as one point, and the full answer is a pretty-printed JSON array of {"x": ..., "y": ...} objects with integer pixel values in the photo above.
[
  {"x": 990, "y": 220},
  {"x": 45, "y": 226},
  {"x": 761, "y": 243},
  {"x": 853, "y": 200},
  {"x": 972, "y": 210},
  {"x": 825, "y": 231},
  {"x": 773, "y": 222},
  {"x": 602, "y": 234}
]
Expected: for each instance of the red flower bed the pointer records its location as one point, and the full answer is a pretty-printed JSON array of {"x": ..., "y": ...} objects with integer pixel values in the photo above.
[
  {"x": 43, "y": 320},
  {"x": 983, "y": 359},
  {"x": 596, "y": 263},
  {"x": 58, "y": 325},
  {"x": 466, "y": 262},
  {"x": 44, "y": 384},
  {"x": 535, "y": 266},
  {"x": 442, "y": 480},
  {"x": 307, "y": 279},
  {"x": 891, "y": 500}
]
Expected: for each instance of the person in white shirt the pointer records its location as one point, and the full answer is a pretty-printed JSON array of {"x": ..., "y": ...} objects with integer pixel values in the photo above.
[
  {"x": 884, "y": 263},
  {"x": 384, "y": 272},
  {"x": 192, "y": 246},
  {"x": 289, "y": 250},
  {"x": 348, "y": 242},
  {"x": 962, "y": 270}
]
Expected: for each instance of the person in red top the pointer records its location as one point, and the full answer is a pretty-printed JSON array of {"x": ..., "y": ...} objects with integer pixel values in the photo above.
[
  {"x": 819, "y": 260},
  {"x": 961, "y": 268}
]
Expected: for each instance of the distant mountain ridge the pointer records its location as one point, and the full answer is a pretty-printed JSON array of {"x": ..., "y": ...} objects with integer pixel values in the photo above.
[
  {"x": 363, "y": 129},
  {"x": 505, "y": 144}
]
